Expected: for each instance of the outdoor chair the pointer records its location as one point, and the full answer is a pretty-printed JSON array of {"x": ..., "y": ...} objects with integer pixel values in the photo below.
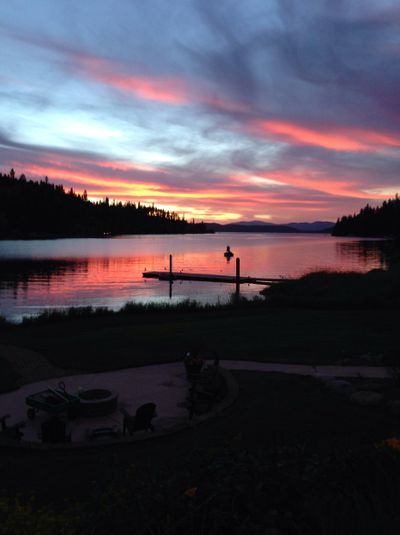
[
  {"x": 210, "y": 384},
  {"x": 142, "y": 419},
  {"x": 54, "y": 431},
  {"x": 12, "y": 431},
  {"x": 208, "y": 390}
]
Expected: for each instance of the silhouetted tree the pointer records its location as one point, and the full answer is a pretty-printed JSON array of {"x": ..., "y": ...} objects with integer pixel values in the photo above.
[
  {"x": 380, "y": 221},
  {"x": 41, "y": 209}
]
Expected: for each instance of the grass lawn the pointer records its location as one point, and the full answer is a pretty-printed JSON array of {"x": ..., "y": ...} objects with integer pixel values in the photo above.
[
  {"x": 278, "y": 457},
  {"x": 281, "y": 335},
  {"x": 289, "y": 456}
]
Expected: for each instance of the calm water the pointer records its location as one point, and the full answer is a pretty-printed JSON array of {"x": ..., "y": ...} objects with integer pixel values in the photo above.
[{"x": 45, "y": 274}]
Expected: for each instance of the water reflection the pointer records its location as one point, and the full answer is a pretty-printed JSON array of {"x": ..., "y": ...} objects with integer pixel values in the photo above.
[
  {"x": 17, "y": 275},
  {"x": 53, "y": 274},
  {"x": 370, "y": 253}
]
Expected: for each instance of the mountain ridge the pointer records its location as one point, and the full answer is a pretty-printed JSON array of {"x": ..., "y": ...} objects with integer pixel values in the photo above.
[{"x": 261, "y": 226}]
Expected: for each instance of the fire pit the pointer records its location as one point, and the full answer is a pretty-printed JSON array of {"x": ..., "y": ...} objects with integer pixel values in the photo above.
[{"x": 97, "y": 402}]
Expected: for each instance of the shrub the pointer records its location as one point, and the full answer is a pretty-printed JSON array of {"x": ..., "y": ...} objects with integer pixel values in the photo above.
[
  {"x": 330, "y": 289},
  {"x": 19, "y": 517}
]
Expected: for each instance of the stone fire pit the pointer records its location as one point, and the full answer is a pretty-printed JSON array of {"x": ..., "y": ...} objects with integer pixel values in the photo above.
[
  {"x": 163, "y": 384},
  {"x": 97, "y": 402}
]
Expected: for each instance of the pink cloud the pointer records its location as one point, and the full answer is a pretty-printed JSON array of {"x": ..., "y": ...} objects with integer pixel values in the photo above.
[
  {"x": 161, "y": 89},
  {"x": 165, "y": 89},
  {"x": 333, "y": 138}
]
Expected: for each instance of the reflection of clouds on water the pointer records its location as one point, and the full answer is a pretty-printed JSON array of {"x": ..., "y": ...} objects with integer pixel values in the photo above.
[
  {"x": 368, "y": 254},
  {"x": 52, "y": 276},
  {"x": 18, "y": 274}
]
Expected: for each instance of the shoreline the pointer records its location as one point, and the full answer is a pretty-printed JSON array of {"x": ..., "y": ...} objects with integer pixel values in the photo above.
[
  {"x": 45, "y": 237},
  {"x": 321, "y": 289},
  {"x": 30, "y": 237}
]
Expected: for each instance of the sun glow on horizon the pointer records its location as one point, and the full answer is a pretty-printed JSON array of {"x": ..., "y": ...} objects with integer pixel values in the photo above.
[{"x": 263, "y": 216}]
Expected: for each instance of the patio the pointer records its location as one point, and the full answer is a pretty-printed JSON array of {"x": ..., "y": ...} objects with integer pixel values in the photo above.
[{"x": 166, "y": 385}]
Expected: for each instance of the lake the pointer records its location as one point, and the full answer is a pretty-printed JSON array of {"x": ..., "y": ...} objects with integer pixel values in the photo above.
[{"x": 48, "y": 274}]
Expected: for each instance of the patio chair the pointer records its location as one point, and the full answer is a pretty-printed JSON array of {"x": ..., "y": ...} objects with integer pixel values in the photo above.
[
  {"x": 54, "y": 431},
  {"x": 142, "y": 419},
  {"x": 11, "y": 431},
  {"x": 208, "y": 390}
]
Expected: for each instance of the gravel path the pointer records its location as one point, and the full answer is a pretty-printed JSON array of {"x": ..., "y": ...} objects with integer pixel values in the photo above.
[
  {"x": 32, "y": 366},
  {"x": 306, "y": 369}
]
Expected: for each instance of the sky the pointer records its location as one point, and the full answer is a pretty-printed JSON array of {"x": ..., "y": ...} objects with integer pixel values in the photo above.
[{"x": 228, "y": 110}]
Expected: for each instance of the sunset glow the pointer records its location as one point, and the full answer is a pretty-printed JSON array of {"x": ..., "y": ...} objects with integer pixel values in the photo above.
[
  {"x": 219, "y": 111},
  {"x": 167, "y": 90},
  {"x": 338, "y": 139}
]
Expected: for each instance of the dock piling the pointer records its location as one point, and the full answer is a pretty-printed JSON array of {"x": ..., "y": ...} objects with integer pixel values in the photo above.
[
  {"x": 237, "y": 277},
  {"x": 171, "y": 276}
]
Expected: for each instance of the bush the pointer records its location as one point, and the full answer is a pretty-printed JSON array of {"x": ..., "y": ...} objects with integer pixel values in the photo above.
[
  {"x": 289, "y": 490},
  {"x": 8, "y": 377},
  {"x": 328, "y": 289},
  {"x": 131, "y": 308},
  {"x": 22, "y": 518}
]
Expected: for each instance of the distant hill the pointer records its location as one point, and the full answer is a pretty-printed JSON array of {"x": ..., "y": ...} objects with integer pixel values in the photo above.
[
  {"x": 30, "y": 209},
  {"x": 382, "y": 221},
  {"x": 316, "y": 226},
  {"x": 261, "y": 226},
  {"x": 238, "y": 227},
  {"x": 253, "y": 223}
]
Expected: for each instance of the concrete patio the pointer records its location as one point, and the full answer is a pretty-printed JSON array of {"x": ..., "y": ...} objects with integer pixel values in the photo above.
[{"x": 165, "y": 385}]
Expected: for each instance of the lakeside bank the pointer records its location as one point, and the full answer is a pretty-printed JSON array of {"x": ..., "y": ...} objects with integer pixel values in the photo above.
[{"x": 271, "y": 453}]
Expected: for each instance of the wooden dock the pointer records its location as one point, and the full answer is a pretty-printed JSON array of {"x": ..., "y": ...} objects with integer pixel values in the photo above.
[
  {"x": 172, "y": 276},
  {"x": 207, "y": 277}
]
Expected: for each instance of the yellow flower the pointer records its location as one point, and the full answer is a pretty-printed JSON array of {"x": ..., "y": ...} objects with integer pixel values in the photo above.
[
  {"x": 391, "y": 442},
  {"x": 191, "y": 492}
]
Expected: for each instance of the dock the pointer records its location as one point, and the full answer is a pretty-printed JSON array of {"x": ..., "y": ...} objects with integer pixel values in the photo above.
[{"x": 207, "y": 277}]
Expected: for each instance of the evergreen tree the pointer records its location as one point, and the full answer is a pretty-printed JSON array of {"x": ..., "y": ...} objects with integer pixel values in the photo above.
[
  {"x": 31, "y": 209},
  {"x": 383, "y": 220}
]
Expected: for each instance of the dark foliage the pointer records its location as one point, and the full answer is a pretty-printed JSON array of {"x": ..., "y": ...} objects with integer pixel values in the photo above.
[
  {"x": 326, "y": 289},
  {"x": 131, "y": 308},
  {"x": 8, "y": 377},
  {"x": 380, "y": 221},
  {"x": 31, "y": 209},
  {"x": 287, "y": 491}
]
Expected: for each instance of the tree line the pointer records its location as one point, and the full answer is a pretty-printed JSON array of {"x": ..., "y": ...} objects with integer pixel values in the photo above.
[
  {"x": 383, "y": 220},
  {"x": 32, "y": 209}
]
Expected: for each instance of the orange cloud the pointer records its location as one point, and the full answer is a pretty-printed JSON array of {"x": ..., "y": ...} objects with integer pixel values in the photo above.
[
  {"x": 307, "y": 179},
  {"x": 86, "y": 179},
  {"x": 229, "y": 200},
  {"x": 100, "y": 186},
  {"x": 334, "y": 138},
  {"x": 169, "y": 90},
  {"x": 311, "y": 180},
  {"x": 160, "y": 89},
  {"x": 125, "y": 166}
]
